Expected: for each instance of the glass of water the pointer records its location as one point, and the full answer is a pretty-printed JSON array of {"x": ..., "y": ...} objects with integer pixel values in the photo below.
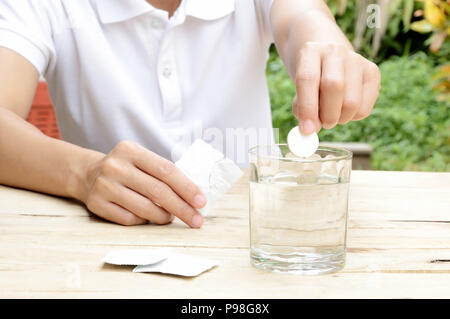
[{"x": 298, "y": 209}]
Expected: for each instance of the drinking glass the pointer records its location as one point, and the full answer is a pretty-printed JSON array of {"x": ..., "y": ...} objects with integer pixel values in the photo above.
[{"x": 298, "y": 209}]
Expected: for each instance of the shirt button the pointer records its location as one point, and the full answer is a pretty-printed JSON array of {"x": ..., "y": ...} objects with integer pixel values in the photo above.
[
  {"x": 167, "y": 72},
  {"x": 155, "y": 23}
]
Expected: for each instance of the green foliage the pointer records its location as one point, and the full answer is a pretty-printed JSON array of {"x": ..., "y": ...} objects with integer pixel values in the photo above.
[
  {"x": 408, "y": 128},
  {"x": 398, "y": 39}
]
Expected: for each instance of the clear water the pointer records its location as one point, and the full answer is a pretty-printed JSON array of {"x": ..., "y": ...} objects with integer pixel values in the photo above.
[{"x": 298, "y": 223}]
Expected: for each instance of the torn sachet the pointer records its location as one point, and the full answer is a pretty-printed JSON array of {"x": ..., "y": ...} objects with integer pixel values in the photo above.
[
  {"x": 210, "y": 170},
  {"x": 136, "y": 256},
  {"x": 180, "y": 265},
  {"x": 160, "y": 260}
]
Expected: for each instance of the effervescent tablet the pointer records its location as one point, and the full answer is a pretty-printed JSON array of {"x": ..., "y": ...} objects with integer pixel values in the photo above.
[{"x": 302, "y": 145}]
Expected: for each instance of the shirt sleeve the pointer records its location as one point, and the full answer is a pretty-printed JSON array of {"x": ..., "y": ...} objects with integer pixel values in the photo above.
[
  {"x": 25, "y": 29},
  {"x": 263, "y": 10}
]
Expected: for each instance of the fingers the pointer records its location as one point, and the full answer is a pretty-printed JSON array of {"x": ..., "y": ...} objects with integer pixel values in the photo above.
[
  {"x": 140, "y": 205},
  {"x": 371, "y": 89},
  {"x": 353, "y": 88},
  {"x": 115, "y": 213},
  {"x": 144, "y": 185},
  {"x": 307, "y": 83},
  {"x": 160, "y": 193},
  {"x": 332, "y": 86},
  {"x": 106, "y": 190},
  {"x": 166, "y": 171},
  {"x": 317, "y": 123},
  {"x": 160, "y": 181}
]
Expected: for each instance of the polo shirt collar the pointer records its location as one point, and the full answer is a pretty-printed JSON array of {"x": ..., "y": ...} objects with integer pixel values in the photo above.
[
  {"x": 112, "y": 11},
  {"x": 208, "y": 9}
]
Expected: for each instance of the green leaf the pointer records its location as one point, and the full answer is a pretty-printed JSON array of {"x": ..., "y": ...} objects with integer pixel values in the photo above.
[
  {"x": 407, "y": 13},
  {"x": 422, "y": 26}
]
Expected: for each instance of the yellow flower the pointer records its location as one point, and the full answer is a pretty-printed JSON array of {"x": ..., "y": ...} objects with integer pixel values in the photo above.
[{"x": 434, "y": 14}]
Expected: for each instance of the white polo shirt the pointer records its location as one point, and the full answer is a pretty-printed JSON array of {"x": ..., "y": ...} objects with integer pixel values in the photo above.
[{"x": 122, "y": 70}]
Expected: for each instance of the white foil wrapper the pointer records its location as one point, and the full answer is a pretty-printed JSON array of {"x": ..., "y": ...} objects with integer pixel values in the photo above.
[
  {"x": 136, "y": 256},
  {"x": 210, "y": 170},
  {"x": 180, "y": 265}
]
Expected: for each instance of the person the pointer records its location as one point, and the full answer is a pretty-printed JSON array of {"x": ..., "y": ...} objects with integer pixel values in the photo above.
[{"x": 130, "y": 79}]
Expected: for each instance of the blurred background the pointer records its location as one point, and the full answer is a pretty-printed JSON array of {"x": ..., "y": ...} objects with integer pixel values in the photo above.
[{"x": 409, "y": 128}]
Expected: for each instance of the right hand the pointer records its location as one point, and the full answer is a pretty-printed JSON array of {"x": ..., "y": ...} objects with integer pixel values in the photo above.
[{"x": 132, "y": 185}]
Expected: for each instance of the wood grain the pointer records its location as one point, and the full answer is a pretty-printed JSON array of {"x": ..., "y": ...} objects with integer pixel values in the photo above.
[{"x": 398, "y": 247}]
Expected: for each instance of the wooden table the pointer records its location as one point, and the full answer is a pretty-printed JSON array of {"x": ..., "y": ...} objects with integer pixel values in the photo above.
[{"x": 398, "y": 247}]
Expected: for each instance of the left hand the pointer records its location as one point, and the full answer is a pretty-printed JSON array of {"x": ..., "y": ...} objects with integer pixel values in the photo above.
[{"x": 334, "y": 85}]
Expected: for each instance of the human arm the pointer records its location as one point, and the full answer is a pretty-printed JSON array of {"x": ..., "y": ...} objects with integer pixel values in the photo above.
[
  {"x": 333, "y": 83},
  {"x": 130, "y": 185}
]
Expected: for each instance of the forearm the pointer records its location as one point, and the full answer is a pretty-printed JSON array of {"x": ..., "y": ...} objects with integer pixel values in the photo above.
[
  {"x": 294, "y": 23},
  {"x": 31, "y": 160}
]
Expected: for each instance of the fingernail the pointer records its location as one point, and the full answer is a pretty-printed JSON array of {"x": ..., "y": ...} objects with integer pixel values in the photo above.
[
  {"x": 197, "y": 221},
  {"x": 199, "y": 200},
  {"x": 307, "y": 127}
]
